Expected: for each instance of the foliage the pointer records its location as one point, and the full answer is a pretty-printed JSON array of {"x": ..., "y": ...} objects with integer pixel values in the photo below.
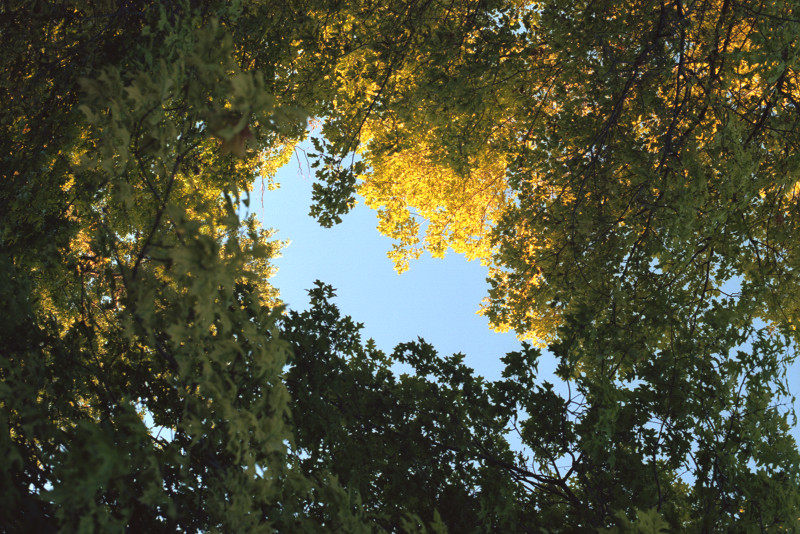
[
  {"x": 715, "y": 456},
  {"x": 627, "y": 169},
  {"x": 141, "y": 376},
  {"x": 616, "y": 150},
  {"x": 431, "y": 441}
]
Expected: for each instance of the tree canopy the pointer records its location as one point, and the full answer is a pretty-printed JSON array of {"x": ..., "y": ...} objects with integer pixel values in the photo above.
[{"x": 626, "y": 170}]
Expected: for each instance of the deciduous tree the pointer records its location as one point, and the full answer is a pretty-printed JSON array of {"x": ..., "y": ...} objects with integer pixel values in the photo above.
[{"x": 627, "y": 169}]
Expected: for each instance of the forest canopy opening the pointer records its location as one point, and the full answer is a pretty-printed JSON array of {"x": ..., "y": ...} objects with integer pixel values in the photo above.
[{"x": 613, "y": 163}]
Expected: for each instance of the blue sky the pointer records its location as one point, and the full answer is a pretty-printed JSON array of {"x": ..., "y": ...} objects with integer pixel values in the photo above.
[{"x": 436, "y": 299}]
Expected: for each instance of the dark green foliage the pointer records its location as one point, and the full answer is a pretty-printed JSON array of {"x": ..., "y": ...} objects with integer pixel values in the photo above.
[
  {"x": 699, "y": 449},
  {"x": 428, "y": 442},
  {"x": 140, "y": 374}
]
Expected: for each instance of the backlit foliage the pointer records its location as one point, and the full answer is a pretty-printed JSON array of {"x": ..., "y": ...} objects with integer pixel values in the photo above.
[
  {"x": 412, "y": 179},
  {"x": 627, "y": 170},
  {"x": 617, "y": 141}
]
